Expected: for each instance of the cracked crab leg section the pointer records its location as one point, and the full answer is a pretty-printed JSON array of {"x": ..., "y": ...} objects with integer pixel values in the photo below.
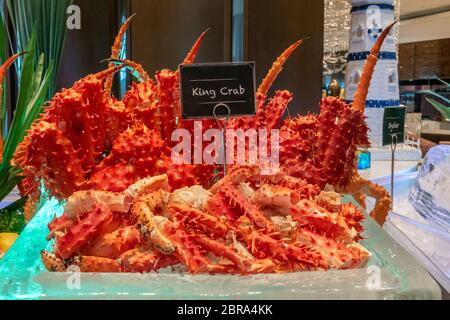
[
  {"x": 147, "y": 185},
  {"x": 52, "y": 262},
  {"x": 263, "y": 246},
  {"x": 221, "y": 250},
  {"x": 96, "y": 264},
  {"x": 82, "y": 231},
  {"x": 189, "y": 253},
  {"x": 112, "y": 245},
  {"x": 145, "y": 261},
  {"x": 241, "y": 206},
  {"x": 337, "y": 255},
  {"x": 199, "y": 220},
  {"x": 143, "y": 210},
  {"x": 84, "y": 201}
]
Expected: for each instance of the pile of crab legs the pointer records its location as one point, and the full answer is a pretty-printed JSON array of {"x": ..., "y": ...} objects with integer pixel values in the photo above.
[
  {"x": 246, "y": 223},
  {"x": 89, "y": 144}
]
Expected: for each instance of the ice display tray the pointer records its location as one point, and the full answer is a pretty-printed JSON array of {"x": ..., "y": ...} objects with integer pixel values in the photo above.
[
  {"x": 391, "y": 274},
  {"x": 427, "y": 241}
]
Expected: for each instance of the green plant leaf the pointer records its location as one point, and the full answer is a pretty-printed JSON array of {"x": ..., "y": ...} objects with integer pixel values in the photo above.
[
  {"x": 445, "y": 111},
  {"x": 3, "y": 54},
  {"x": 444, "y": 82},
  {"x": 37, "y": 27},
  {"x": 11, "y": 218},
  {"x": 38, "y": 74},
  {"x": 437, "y": 95}
]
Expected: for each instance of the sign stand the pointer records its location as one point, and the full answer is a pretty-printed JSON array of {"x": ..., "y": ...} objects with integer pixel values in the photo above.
[
  {"x": 223, "y": 128},
  {"x": 394, "y": 144}
]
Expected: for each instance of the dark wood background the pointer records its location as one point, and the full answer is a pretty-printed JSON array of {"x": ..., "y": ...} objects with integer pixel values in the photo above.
[
  {"x": 85, "y": 48},
  {"x": 273, "y": 25},
  {"x": 163, "y": 32},
  {"x": 424, "y": 60}
]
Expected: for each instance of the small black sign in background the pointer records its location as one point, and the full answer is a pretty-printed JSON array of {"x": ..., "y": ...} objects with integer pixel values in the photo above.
[
  {"x": 204, "y": 86},
  {"x": 394, "y": 123}
]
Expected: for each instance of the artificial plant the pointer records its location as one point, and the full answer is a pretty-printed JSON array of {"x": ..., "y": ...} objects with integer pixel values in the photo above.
[
  {"x": 443, "y": 109},
  {"x": 48, "y": 19},
  {"x": 39, "y": 28},
  {"x": 33, "y": 87}
]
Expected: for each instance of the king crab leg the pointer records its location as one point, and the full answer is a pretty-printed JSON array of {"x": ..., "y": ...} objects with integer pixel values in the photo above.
[
  {"x": 146, "y": 261},
  {"x": 143, "y": 210},
  {"x": 206, "y": 223},
  {"x": 277, "y": 68},
  {"x": 3, "y": 70},
  {"x": 116, "y": 51}
]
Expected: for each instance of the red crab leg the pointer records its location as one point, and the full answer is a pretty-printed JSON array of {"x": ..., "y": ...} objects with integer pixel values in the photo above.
[
  {"x": 149, "y": 230},
  {"x": 275, "y": 109},
  {"x": 52, "y": 262},
  {"x": 134, "y": 65},
  {"x": 263, "y": 246},
  {"x": 85, "y": 263},
  {"x": 190, "y": 255},
  {"x": 105, "y": 73},
  {"x": 116, "y": 51},
  {"x": 337, "y": 255},
  {"x": 83, "y": 231},
  {"x": 238, "y": 200},
  {"x": 3, "y": 70},
  {"x": 319, "y": 220},
  {"x": 186, "y": 251},
  {"x": 221, "y": 250},
  {"x": 277, "y": 67},
  {"x": 112, "y": 245},
  {"x": 190, "y": 58},
  {"x": 206, "y": 223},
  {"x": 366, "y": 77},
  {"x": 61, "y": 224},
  {"x": 96, "y": 264},
  {"x": 142, "y": 262}
]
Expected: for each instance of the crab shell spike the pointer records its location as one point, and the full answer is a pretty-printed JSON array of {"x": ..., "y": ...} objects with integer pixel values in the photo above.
[
  {"x": 277, "y": 67},
  {"x": 369, "y": 68},
  {"x": 3, "y": 70},
  {"x": 116, "y": 50},
  {"x": 105, "y": 73},
  {"x": 190, "y": 58},
  {"x": 133, "y": 65}
]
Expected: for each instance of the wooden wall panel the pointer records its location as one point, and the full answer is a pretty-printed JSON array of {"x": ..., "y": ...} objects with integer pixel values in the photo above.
[
  {"x": 425, "y": 60},
  {"x": 275, "y": 24},
  {"x": 163, "y": 31},
  {"x": 406, "y": 61},
  {"x": 432, "y": 59},
  {"x": 85, "y": 48}
]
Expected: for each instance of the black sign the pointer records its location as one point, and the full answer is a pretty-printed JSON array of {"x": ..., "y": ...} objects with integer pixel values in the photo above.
[
  {"x": 208, "y": 87},
  {"x": 394, "y": 124}
]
